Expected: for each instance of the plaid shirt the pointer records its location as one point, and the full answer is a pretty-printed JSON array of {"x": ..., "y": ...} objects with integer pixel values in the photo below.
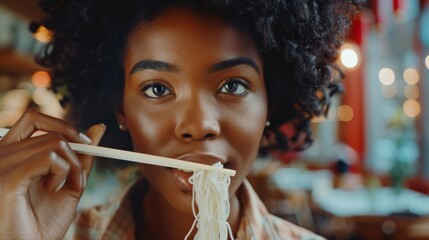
[{"x": 115, "y": 221}]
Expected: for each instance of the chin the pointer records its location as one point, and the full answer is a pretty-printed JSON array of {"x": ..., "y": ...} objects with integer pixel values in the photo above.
[{"x": 183, "y": 204}]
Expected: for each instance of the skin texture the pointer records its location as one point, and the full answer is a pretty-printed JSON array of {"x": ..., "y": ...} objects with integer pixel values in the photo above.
[
  {"x": 41, "y": 179},
  {"x": 193, "y": 109},
  {"x": 183, "y": 101},
  {"x": 198, "y": 95}
]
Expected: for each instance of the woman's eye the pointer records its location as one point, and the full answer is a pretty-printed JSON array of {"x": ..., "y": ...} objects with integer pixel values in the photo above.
[
  {"x": 235, "y": 86},
  {"x": 156, "y": 90}
]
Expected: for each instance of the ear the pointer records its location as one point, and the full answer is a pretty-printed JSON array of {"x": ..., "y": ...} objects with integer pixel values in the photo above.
[{"x": 121, "y": 119}]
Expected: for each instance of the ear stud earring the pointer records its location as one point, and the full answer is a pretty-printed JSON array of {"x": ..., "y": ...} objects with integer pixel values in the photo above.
[
  {"x": 122, "y": 127},
  {"x": 267, "y": 123}
]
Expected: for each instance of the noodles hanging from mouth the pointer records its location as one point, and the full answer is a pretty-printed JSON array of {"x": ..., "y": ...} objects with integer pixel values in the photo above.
[{"x": 210, "y": 193}]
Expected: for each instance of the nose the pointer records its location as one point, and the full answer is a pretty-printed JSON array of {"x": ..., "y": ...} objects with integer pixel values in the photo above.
[{"x": 197, "y": 120}]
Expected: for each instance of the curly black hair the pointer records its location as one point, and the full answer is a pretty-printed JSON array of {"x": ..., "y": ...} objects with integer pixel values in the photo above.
[{"x": 297, "y": 40}]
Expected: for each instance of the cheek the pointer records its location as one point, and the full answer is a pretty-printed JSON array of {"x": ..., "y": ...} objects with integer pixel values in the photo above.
[
  {"x": 246, "y": 128},
  {"x": 252, "y": 120},
  {"x": 246, "y": 134},
  {"x": 244, "y": 140},
  {"x": 150, "y": 129}
]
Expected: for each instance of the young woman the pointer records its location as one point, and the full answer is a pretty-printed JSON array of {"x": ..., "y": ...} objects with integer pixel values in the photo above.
[{"x": 202, "y": 81}]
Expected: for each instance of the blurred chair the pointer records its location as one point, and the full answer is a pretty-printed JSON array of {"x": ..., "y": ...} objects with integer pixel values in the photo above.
[{"x": 293, "y": 205}]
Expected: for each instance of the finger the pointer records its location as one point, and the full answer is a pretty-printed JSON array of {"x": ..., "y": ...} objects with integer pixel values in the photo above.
[
  {"x": 95, "y": 132},
  {"x": 32, "y": 121},
  {"x": 18, "y": 152},
  {"x": 15, "y": 153},
  {"x": 43, "y": 164},
  {"x": 58, "y": 173}
]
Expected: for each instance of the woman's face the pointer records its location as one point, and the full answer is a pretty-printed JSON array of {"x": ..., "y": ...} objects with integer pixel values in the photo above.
[{"x": 194, "y": 90}]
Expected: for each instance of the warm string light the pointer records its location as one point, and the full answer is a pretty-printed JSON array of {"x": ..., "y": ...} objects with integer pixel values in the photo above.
[
  {"x": 411, "y": 92},
  {"x": 411, "y": 76},
  {"x": 411, "y": 108}
]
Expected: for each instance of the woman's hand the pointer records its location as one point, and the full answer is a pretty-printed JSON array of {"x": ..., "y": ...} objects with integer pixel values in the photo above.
[{"x": 41, "y": 178}]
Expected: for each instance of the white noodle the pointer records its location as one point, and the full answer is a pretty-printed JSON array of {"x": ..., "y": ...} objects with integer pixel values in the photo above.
[{"x": 210, "y": 193}]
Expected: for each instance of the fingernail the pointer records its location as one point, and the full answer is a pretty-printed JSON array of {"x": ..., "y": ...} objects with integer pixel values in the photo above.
[
  {"x": 83, "y": 179},
  {"x": 104, "y": 126},
  {"x": 85, "y": 138},
  {"x": 61, "y": 185}
]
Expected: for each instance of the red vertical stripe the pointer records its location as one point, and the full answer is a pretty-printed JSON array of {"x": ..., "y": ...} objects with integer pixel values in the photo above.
[{"x": 353, "y": 132}]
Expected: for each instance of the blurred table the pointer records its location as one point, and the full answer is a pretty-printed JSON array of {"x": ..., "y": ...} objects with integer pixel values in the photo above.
[
  {"x": 379, "y": 213},
  {"x": 364, "y": 213},
  {"x": 377, "y": 202}
]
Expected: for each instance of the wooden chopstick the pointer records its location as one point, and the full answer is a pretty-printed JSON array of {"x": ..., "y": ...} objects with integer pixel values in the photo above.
[{"x": 139, "y": 157}]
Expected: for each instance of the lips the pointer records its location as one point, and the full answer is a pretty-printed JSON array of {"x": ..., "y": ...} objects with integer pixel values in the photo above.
[{"x": 181, "y": 178}]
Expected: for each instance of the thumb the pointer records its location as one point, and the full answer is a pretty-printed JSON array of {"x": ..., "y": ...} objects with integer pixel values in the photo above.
[{"x": 95, "y": 132}]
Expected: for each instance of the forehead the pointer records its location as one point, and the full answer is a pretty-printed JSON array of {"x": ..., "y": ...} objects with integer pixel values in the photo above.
[{"x": 182, "y": 32}]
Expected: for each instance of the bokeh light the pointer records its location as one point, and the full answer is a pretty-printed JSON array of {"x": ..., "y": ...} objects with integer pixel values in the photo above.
[
  {"x": 386, "y": 76},
  {"x": 411, "y": 92},
  {"x": 411, "y": 108},
  {"x": 427, "y": 61},
  {"x": 349, "y": 55},
  {"x": 41, "y": 79},
  {"x": 345, "y": 113},
  {"x": 43, "y": 34},
  {"x": 411, "y": 76}
]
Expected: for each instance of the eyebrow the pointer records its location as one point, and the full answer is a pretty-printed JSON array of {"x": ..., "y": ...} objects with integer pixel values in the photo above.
[
  {"x": 235, "y": 62},
  {"x": 168, "y": 67},
  {"x": 154, "y": 65}
]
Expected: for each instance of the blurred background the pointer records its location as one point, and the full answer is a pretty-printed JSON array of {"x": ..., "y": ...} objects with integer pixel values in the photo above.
[{"x": 367, "y": 174}]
